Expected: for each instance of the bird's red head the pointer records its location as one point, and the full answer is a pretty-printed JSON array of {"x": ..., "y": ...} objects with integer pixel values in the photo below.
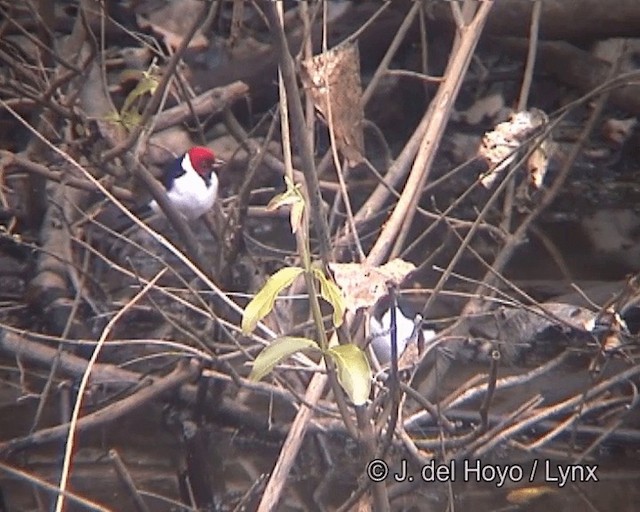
[{"x": 204, "y": 160}]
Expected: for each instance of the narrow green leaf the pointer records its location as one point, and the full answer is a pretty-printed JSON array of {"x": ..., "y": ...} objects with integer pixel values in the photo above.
[
  {"x": 147, "y": 84},
  {"x": 286, "y": 198},
  {"x": 354, "y": 373},
  {"x": 332, "y": 294},
  {"x": 262, "y": 303},
  {"x": 278, "y": 351},
  {"x": 297, "y": 210},
  {"x": 290, "y": 197}
]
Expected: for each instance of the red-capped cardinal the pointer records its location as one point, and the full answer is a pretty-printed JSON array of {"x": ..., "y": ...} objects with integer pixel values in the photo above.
[{"x": 191, "y": 182}]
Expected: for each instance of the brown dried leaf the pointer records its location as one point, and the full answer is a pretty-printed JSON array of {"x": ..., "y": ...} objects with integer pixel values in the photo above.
[
  {"x": 538, "y": 163},
  {"x": 499, "y": 145},
  {"x": 333, "y": 81},
  {"x": 363, "y": 285}
]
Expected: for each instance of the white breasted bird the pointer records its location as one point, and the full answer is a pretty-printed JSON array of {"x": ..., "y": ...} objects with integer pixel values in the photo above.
[
  {"x": 191, "y": 185},
  {"x": 409, "y": 328},
  {"x": 191, "y": 182}
]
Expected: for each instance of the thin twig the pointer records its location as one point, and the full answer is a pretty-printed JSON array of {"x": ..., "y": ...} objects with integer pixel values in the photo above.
[
  {"x": 393, "y": 233},
  {"x": 127, "y": 480},
  {"x": 531, "y": 56},
  {"x": 159, "y": 93},
  {"x": 298, "y": 123},
  {"x": 69, "y": 446},
  {"x": 38, "y": 482}
]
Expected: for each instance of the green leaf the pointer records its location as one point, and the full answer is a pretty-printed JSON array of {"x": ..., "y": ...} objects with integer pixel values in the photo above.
[
  {"x": 278, "y": 351},
  {"x": 262, "y": 303},
  {"x": 332, "y": 294},
  {"x": 147, "y": 84},
  {"x": 354, "y": 373},
  {"x": 297, "y": 211},
  {"x": 286, "y": 198},
  {"x": 291, "y": 197},
  {"x": 113, "y": 117},
  {"x": 130, "y": 119}
]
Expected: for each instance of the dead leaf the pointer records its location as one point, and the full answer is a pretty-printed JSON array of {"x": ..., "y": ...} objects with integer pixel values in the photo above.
[
  {"x": 499, "y": 146},
  {"x": 363, "y": 285},
  {"x": 538, "y": 163},
  {"x": 332, "y": 79}
]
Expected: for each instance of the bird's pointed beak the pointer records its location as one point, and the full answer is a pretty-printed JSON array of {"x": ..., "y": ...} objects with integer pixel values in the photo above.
[{"x": 218, "y": 163}]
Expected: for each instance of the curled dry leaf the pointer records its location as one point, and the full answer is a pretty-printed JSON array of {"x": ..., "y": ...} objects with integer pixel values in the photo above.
[
  {"x": 363, "y": 284},
  {"x": 332, "y": 79},
  {"x": 538, "y": 163},
  {"x": 499, "y": 146}
]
